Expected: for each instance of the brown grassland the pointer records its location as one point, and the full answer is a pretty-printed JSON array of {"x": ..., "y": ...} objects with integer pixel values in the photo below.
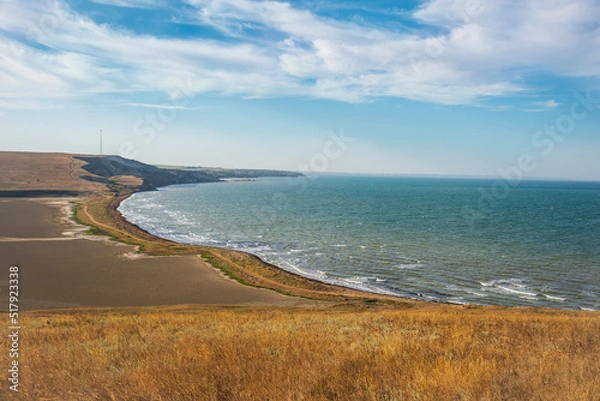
[
  {"x": 202, "y": 353},
  {"x": 22, "y": 171}
]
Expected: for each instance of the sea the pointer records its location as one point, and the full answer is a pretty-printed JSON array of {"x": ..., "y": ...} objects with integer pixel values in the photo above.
[{"x": 451, "y": 240}]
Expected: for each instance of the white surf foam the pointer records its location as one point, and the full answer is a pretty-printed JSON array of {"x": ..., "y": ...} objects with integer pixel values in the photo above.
[
  {"x": 555, "y": 298},
  {"x": 409, "y": 265}
]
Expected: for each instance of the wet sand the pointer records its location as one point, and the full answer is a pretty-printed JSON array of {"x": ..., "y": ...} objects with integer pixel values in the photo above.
[{"x": 57, "y": 270}]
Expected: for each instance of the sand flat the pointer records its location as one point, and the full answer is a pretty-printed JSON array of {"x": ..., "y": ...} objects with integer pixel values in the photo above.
[
  {"x": 29, "y": 218},
  {"x": 98, "y": 273}
]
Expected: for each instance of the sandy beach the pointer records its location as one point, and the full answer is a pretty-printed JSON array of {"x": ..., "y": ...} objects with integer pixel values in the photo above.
[{"x": 72, "y": 270}]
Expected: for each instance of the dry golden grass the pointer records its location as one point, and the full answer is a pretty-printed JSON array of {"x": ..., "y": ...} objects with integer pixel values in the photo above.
[
  {"x": 127, "y": 181},
  {"x": 29, "y": 171},
  {"x": 194, "y": 353}
]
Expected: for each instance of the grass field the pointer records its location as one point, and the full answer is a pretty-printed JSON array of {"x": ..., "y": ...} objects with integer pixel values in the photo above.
[{"x": 195, "y": 353}]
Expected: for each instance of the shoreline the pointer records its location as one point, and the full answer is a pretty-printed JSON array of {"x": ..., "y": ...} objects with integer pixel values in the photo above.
[
  {"x": 62, "y": 267},
  {"x": 99, "y": 194},
  {"x": 364, "y": 292},
  {"x": 116, "y": 214},
  {"x": 234, "y": 264},
  {"x": 101, "y": 216}
]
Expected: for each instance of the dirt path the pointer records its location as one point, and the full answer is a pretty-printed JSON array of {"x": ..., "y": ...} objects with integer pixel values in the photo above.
[{"x": 93, "y": 220}]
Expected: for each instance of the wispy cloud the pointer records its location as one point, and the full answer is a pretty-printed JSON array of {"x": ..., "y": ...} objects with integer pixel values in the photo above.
[
  {"x": 273, "y": 48},
  {"x": 163, "y": 106},
  {"x": 549, "y": 104},
  {"x": 133, "y": 3},
  {"x": 543, "y": 106},
  {"x": 26, "y": 105}
]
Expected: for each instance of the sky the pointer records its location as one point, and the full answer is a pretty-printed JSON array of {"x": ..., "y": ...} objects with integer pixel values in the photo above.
[{"x": 504, "y": 88}]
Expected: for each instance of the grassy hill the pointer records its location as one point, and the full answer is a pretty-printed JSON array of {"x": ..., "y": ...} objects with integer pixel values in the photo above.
[
  {"x": 62, "y": 174},
  {"x": 105, "y": 168}
]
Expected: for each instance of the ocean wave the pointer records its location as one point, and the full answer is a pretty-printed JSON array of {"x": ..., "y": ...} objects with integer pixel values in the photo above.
[
  {"x": 409, "y": 265},
  {"x": 555, "y": 298},
  {"x": 477, "y": 294},
  {"x": 511, "y": 287},
  {"x": 515, "y": 291}
]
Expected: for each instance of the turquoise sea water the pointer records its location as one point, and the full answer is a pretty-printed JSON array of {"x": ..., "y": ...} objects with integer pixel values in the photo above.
[{"x": 449, "y": 240}]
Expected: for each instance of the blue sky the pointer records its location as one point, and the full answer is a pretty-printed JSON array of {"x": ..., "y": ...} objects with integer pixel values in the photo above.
[{"x": 461, "y": 87}]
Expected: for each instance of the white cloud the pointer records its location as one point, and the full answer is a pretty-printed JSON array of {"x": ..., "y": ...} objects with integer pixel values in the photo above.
[
  {"x": 278, "y": 50},
  {"x": 549, "y": 104},
  {"x": 89, "y": 58},
  {"x": 26, "y": 105},
  {"x": 163, "y": 106},
  {"x": 559, "y": 36},
  {"x": 543, "y": 106},
  {"x": 132, "y": 3}
]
